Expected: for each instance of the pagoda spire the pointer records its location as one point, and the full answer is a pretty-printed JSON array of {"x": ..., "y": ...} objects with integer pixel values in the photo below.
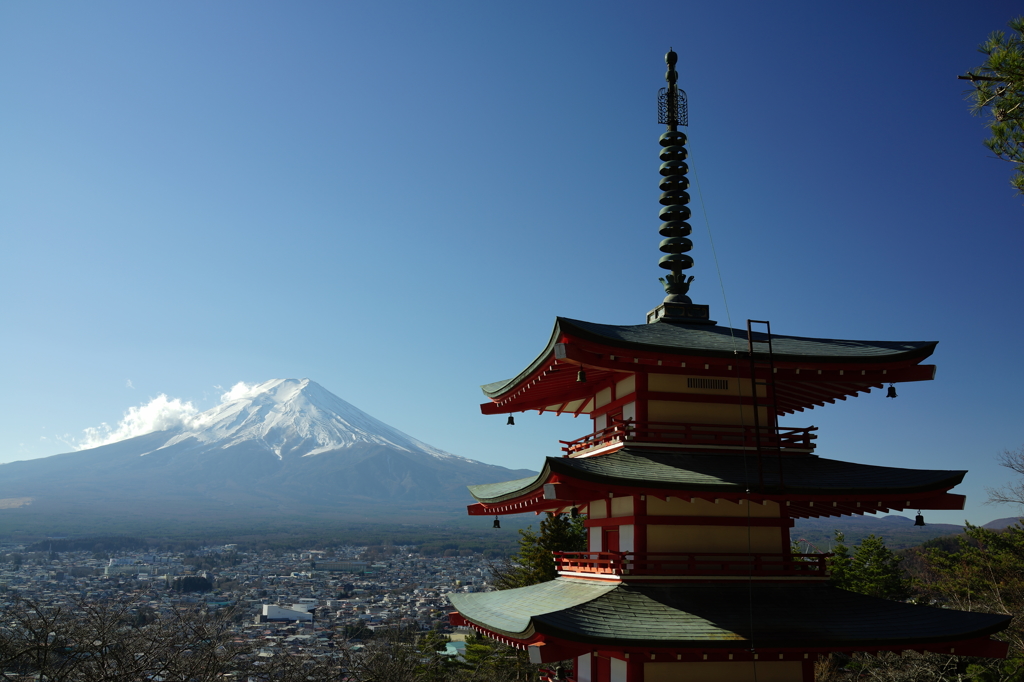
[{"x": 672, "y": 112}]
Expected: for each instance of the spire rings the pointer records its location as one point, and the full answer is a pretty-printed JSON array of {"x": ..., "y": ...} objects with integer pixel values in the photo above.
[{"x": 674, "y": 183}]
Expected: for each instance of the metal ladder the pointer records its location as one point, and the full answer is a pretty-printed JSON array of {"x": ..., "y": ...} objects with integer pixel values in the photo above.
[{"x": 772, "y": 401}]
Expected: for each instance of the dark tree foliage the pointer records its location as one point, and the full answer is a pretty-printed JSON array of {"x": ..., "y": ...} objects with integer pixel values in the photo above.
[
  {"x": 872, "y": 569},
  {"x": 192, "y": 583},
  {"x": 91, "y": 641},
  {"x": 534, "y": 563},
  {"x": 986, "y": 573},
  {"x": 999, "y": 96},
  {"x": 109, "y": 642},
  {"x": 983, "y": 571}
]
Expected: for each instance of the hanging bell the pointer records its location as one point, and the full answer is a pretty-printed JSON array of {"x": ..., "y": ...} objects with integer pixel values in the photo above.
[
  {"x": 581, "y": 376},
  {"x": 511, "y": 421},
  {"x": 919, "y": 519},
  {"x": 497, "y": 523},
  {"x": 574, "y": 513},
  {"x": 891, "y": 393}
]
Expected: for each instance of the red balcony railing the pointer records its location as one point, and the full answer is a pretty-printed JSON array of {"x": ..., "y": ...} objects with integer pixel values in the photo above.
[
  {"x": 788, "y": 440},
  {"x": 708, "y": 564}
]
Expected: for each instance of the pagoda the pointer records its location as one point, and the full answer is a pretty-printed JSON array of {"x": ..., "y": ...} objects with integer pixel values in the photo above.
[{"x": 690, "y": 485}]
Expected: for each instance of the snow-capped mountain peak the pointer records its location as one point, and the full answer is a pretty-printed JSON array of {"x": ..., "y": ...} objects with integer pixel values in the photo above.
[{"x": 294, "y": 418}]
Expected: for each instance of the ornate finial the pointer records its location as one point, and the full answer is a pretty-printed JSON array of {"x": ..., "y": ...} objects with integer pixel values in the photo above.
[
  {"x": 672, "y": 112},
  {"x": 674, "y": 183},
  {"x": 671, "y": 100}
]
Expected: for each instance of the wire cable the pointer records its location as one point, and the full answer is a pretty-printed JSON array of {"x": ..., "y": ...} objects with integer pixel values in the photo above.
[{"x": 711, "y": 241}]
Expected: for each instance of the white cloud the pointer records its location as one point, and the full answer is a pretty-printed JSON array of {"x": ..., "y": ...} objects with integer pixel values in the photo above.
[
  {"x": 238, "y": 391},
  {"x": 129, "y": 384},
  {"x": 158, "y": 414}
]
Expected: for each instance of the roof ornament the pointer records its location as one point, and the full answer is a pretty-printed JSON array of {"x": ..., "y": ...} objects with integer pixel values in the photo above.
[{"x": 673, "y": 112}]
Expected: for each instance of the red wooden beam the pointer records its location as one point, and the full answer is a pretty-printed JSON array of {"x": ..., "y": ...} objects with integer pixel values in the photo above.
[{"x": 771, "y": 522}]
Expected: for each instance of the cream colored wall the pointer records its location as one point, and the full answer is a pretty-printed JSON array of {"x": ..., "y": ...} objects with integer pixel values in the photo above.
[
  {"x": 678, "y": 507},
  {"x": 725, "y": 671},
  {"x": 618, "y": 671},
  {"x": 673, "y": 383},
  {"x": 629, "y": 411},
  {"x": 703, "y": 413},
  {"x": 713, "y": 539},
  {"x": 625, "y": 387},
  {"x": 604, "y": 396},
  {"x": 573, "y": 405},
  {"x": 598, "y": 509},
  {"x": 622, "y": 506}
]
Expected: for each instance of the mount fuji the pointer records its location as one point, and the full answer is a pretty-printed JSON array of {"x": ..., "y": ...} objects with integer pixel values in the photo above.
[{"x": 286, "y": 451}]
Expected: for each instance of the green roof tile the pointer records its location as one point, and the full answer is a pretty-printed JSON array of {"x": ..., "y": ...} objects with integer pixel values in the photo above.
[
  {"x": 718, "y": 615},
  {"x": 717, "y": 472},
  {"x": 509, "y": 611},
  {"x": 714, "y": 341}
]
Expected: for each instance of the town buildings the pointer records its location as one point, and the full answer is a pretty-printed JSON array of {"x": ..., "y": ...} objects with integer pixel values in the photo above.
[{"x": 403, "y": 590}]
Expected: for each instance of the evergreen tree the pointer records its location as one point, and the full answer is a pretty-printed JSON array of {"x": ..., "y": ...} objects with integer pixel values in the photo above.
[
  {"x": 872, "y": 569},
  {"x": 435, "y": 666},
  {"x": 534, "y": 563},
  {"x": 999, "y": 95},
  {"x": 986, "y": 573}
]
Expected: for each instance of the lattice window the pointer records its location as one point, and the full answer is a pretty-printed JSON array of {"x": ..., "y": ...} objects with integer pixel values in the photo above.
[{"x": 716, "y": 384}]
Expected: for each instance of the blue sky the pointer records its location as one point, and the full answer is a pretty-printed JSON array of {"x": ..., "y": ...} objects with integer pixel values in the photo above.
[{"x": 396, "y": 200}]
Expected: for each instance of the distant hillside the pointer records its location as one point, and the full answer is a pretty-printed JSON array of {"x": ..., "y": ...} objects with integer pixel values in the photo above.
[
  {"x": 899, "y": 532},
  {"x": 1000, "y": 524}
]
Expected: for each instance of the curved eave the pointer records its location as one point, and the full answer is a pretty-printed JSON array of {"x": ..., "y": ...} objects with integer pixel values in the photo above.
[
  {"x": 498, "y": 388},
  {"x": 709, "y": 616},
  {"x": 844, "y": 367},
  {"x": 713, "y": 341},
  {"x": 806, "y": 486}
]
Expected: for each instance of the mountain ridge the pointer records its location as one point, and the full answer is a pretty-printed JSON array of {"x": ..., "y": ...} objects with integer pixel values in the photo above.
[{"x": 280, "y": 448}]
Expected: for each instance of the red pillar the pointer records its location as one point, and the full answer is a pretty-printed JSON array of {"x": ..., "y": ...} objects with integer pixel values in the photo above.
[
  {"x": 641, "y": 398},
  {"x": 640, "y": 524},
  {"x": 808, "y": 669},
  {"x": 635, "y": 669}
]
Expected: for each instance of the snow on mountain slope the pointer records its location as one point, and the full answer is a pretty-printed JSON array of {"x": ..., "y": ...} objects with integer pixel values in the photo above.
[
  {"x": 281, "y": 452},
  {"x": 294, "y": 418}
]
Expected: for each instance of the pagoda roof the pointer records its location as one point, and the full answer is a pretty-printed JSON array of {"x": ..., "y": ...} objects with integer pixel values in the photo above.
[
  {"x": 605, "y": 350},
  {"x": 718, "y": 616},
  {"x": 850, "y": 488}
]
